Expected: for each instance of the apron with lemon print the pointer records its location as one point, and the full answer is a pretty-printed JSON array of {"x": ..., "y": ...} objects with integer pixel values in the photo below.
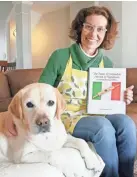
[{"x": 73, "y": 87}]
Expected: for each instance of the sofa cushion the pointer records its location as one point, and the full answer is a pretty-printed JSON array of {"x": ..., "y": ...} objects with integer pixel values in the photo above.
[
  {"x": 132, "y": 80},
  {"x": 132, "y": 112},
  {"x": 4, "y": 87},
  {"x": 18, "y": 79}
]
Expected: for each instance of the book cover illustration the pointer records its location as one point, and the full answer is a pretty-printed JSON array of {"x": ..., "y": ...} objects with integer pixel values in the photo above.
[{"x": 106, "y": 88}]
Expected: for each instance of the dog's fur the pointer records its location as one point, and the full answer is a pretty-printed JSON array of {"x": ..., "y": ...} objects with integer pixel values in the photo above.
[{"x": 36, "y": 111}]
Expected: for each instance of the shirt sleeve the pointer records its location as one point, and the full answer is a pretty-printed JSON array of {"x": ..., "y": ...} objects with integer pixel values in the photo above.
[
  {"x": 53, "y": 71},
  {"x": 50, "y": 72}
]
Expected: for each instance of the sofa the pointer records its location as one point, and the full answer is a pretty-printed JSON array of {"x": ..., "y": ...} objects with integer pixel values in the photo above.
[{"x": 14, "y": 80}]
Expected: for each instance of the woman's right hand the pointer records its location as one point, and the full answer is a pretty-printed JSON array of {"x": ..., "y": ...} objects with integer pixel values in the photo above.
[{"x": 9, "y": 127}]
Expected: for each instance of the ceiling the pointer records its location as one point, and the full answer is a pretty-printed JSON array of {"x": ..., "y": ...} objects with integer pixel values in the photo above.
[
  {"x": 41, "y": 7},
  {"x": 49, "y": 6}
]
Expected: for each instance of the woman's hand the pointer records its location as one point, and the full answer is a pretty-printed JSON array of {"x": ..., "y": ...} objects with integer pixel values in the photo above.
[
  {"x": 9, "y": 127},
  {"x": 129, "y": 95}
]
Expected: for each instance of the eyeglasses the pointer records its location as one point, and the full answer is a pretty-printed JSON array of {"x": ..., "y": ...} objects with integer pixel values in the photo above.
[{"x": 91, "y": 28}]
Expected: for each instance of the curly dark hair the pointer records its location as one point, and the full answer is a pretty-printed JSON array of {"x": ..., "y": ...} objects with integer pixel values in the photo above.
[{"x": 77, "y": 25}]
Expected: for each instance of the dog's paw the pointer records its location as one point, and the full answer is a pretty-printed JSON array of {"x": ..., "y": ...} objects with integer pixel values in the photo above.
[
  {"x": 90, "y": 165},
  {"x": 92, "y": 162},
  {"x": 89, "y": 156},
  {"x": 90, "y": 159}
]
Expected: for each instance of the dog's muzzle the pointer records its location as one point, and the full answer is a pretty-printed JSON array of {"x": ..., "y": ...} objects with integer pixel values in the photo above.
[{"x": 43, "y": 125}]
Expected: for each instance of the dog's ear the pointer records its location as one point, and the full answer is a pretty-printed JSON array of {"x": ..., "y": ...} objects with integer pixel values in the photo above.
[
  {"x": 15, "y": 106},
  {"x": 61, "y": 104}
]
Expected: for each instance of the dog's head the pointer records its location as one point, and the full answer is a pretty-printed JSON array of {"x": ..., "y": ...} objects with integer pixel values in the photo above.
[{"x": 36, "y": 107}]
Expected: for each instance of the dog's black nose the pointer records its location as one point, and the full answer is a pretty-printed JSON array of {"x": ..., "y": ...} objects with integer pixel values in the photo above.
[
  {"x": 43, "y": 125},
  {"x": 41, "y": 122}
]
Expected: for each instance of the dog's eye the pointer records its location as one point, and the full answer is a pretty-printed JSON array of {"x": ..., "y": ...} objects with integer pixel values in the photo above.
[
  {"x": 30, "y": 105},
  {"x": 50, "y": 103}
]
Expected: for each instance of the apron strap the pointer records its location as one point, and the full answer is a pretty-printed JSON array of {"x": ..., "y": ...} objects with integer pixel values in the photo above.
[{"x": 101, "y": 64}]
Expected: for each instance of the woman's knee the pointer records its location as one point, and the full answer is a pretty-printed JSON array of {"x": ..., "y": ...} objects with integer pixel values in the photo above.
[
  {"x": 96, "y": 129},
  {"x": 96, "y": 122},
  {"x": 106, "y": 131},
  {"x": 122, "y": 122}
]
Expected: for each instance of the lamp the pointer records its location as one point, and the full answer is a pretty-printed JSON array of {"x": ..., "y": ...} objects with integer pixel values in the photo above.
[{"x": 14, "y": 33}]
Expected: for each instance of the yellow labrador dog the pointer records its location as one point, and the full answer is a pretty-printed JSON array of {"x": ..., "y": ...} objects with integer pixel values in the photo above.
[{"x": 36, "y": 111}]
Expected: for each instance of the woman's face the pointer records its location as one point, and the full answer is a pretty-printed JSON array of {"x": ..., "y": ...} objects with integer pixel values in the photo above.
[{"x": 93, "y": 32}]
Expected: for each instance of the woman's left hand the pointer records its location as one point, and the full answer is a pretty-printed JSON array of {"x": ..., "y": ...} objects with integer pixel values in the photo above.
[{"x": 129, "y": 95}]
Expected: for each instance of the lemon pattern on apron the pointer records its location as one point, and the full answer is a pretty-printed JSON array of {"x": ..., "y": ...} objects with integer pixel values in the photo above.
[{"x": 73, "y": 87}]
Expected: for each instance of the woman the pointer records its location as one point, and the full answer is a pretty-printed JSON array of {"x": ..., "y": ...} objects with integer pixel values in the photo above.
[{"x": 113, "y": 136}]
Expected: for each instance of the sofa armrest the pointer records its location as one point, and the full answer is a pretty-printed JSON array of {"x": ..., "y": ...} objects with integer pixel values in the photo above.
[
  {"x": 4, "y": 103},
  {"x": 4, "y": 87}
]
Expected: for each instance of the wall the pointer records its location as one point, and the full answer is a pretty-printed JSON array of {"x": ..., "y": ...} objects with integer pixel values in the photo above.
[
  {"x": 75, "y": 7},
  {"x": 51, "y": 33},
  {"x": 124, "y": 52},
  {"x": 35, "y": 17},
  {"x": 129, "y": 34},
  {"x": 12, "y": 41},
  {"x": 115, "y": 54},
  {"x": 2, "y": 40},
  {"x": 5, "y": 8}
]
